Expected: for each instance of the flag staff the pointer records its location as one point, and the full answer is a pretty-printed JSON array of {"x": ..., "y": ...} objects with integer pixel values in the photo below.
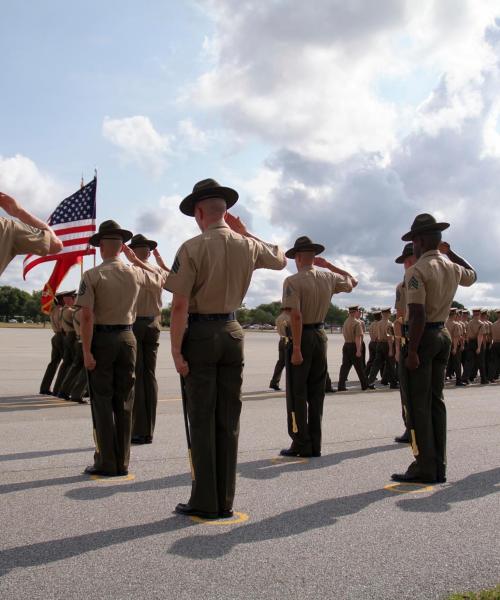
[
  {"x": 82, "y": 184},
  {"x": 95, "y": 177}
]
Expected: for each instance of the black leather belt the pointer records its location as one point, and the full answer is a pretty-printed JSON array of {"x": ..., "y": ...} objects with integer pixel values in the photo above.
[
  {"x": 198, "y": 317},
  {"x": 313, "y": 326},
  {"x": 148, "y": 319},
  {"x": 435, "y": 325},
  {"x": 111, "y": 328}
]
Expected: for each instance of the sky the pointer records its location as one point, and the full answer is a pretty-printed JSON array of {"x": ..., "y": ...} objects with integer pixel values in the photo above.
[{"x": 337, "y": 120}]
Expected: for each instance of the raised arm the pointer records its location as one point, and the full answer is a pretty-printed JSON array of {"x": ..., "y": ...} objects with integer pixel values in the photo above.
[
  {"x": 319, "y": 261},
  {"x": 159, "y": 261},
  {"x": 14, "y": 209},
  {"x": 137, "y": 262}
]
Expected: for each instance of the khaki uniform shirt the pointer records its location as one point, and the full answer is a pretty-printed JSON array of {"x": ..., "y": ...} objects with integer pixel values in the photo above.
[
  {"x": 310, "y": 291},
  {"x": 149, "y": 301},
  {"x": 282, "y": 322},
  {"x": 55, "y": 319},
  {"x": 214, "y": 269},
  {"x": 474, "y": 328},
  {"x": 352, "y": 329},
  {"x": 487, "y": 328},
  {"x": 400, "y": 304},
  {"x": 455, "y": 329},
  {"x": 67, "y": 319},
  {"x": 495, "y": 331},
  {"x": 385, "y": 330},
  {"x": 111, "y": 290},
  {"x": 373, "y": 331},
  {"x": 433, "y": 281},
  {"x": 18, "y": 238}
]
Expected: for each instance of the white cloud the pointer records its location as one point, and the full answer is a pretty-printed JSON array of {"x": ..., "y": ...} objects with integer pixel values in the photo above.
[
  {"x": 138, "y": 141},
  {"x": 37, "y": 191},
  {"x": 350, "y": 167}
]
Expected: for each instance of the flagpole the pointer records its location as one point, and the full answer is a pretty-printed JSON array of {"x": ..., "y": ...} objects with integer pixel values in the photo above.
[{"x": 95, "y": 177}]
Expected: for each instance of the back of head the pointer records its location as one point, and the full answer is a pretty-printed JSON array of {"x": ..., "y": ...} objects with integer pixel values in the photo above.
[
  {"x": 304, "y": 259},
  {"x": 110, "y": 247},
  {"x": 212, "y": 208}
]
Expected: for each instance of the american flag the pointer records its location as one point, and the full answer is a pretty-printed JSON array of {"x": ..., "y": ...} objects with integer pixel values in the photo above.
[{"x": 73, "y": 222}]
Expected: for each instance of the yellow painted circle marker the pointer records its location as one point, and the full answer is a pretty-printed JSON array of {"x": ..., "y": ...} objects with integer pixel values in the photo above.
[
  {"x": 238, "y": 517},
  {"x": 292, "y": 460},
  {"x": 101, "y": 478},
  {"x": 408, "y": 488}
]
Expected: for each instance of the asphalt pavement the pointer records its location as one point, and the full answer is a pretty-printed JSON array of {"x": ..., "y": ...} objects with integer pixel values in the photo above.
[{"x": 330, "y": 527}]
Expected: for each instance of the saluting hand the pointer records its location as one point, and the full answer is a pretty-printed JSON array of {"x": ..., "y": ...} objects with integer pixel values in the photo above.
[
  {"x": 181, "y": 366},
  {"x": 130, "y": 254},
  {"x": 444, "y": 247},
  {"x": 236, "y": 224},
  {"x": 319, "y": 261}
]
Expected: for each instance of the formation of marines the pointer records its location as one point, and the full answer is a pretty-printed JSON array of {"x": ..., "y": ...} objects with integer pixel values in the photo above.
[{"x": 106, "y": 339}]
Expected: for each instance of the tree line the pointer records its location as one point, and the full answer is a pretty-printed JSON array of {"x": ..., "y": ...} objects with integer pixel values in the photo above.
[{"x": 15, "y": 302}]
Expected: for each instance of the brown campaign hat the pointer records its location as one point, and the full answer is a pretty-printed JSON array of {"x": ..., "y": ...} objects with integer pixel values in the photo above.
[
  {"x": 140, "y": 241},
  {"x": 109, "y": 229},
  {"x": 407, "y": 251},
  {"x": 207, "y": 188},
  {"x": 424, "y": 223},
  {"x": 304, "y": 244}
]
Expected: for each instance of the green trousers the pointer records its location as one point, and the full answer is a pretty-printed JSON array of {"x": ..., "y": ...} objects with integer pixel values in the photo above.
[
  {"x": 214, "y": 352},
  {"x": 349, "y": 359},
  {"x": 75, "y": 381},
  {"x": 112, "y": 398},
  {"x": 57, "y": 352},
  {"x": 69, "y": 344},
  {"x": 306, "y": 393},
  {"x": 422, "y": 395},
  {"x": 383, "y": 363},
  {"x": 146, "y": 386}
]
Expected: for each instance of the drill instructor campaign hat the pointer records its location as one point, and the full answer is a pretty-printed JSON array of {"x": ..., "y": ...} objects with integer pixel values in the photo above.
[
  {"x": 109, "y": 229},
  {"x": 304, "y": 244},
  {"x": 141, "y": 241},
  {"x": 424, "y": 223},
  {"x": 207, "y": 188}
]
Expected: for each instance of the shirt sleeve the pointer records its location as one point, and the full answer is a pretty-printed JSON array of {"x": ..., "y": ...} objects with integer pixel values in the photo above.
[
  {"x": 150, "y": 281},
  {"x": 182, "y": 277},
  {"x": 467, "y": 276},
  {"x": 291, "y": 295},
  {"x": 85, "y": 296},
  {"x": 340, "y": 284},
  {"x": 29, "y": 239},
  {"x": 269, "y": 256},
  {"x": 415, "y": 287}
]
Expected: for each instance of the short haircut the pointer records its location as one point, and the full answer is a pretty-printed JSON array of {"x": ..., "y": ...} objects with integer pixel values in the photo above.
[{"x": 213, "y": 207}]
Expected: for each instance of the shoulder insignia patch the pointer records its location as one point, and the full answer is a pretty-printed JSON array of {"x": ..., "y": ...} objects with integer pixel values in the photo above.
[
  {"x": 83, "y": 288},
  {"x": 176, "y": 264},
  {"x": 413, "y": 283},
  {"x": 288, "y": 291}
]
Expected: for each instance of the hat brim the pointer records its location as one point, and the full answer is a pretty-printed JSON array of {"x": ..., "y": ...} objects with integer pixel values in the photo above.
[
  {"x": 316, "y": 248},
  {"x": 68, "y": 293},
  {"x": 408, "y": 237},
  {"x": 228, "y": 194},
  {"x": 144, "y": 244},
  {"x": 123, "y": 233}
]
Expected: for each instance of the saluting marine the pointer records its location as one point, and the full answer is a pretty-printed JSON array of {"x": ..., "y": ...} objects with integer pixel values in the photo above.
[
  {"x": 74, "y": 385},
  {"x": 107, "y": 297},
  {"x": 307, "y": 296},
  {"x": 431, "y": 284},
  {"x": 372, "y": 344},
  {"x": 147, "y": 333},
  {"x": 209, "y": 279}
]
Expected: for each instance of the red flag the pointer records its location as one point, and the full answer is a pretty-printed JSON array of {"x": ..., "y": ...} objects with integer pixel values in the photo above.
[{"x": 63, "y": 265}]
